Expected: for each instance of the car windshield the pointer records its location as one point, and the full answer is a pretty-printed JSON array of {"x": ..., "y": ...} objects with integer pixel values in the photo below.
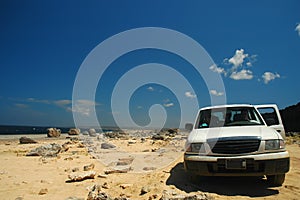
[{"x": 229, "y": 116}]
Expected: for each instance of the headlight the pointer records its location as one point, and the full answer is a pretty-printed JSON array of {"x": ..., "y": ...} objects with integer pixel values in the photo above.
[
  {"x": 274, "y": 144},
  {"x": 196, "y": 148}
]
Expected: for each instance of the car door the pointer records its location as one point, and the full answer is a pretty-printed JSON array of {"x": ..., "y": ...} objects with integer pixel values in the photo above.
[{"x": 271, "y": 116}]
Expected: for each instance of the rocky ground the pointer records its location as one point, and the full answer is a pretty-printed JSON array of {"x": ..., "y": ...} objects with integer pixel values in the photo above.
[{"x": 122, "y": 166}]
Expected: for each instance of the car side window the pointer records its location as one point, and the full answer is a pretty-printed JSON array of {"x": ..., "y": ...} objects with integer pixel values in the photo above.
[{"x": 269, "y": 115}]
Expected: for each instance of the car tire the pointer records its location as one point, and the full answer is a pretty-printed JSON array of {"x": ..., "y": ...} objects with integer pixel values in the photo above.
[{"x": 276, "y": 180}]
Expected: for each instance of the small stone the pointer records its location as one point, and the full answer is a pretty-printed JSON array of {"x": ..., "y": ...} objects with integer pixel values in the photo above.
[
  {"x": 43, "y": 191},
  {"x": 125, "y": 185},
  {"x": 145, "y": 190},
  {"x": 74, "y": 198},
  {"x": 80, "y": 145},
  {"x": 88, "y": 167},
  {"x": 117, "y": 170},
  {"x": 132, "y": 142},
  {"x": 68, "y": 158},
  {"x": 102, "y": 175},
  {"x": 125, "y": 161},
  {"x": 105, "y": 185},
  {"x": 149, "y": 168},
  {"x": 76, "y": 169}
]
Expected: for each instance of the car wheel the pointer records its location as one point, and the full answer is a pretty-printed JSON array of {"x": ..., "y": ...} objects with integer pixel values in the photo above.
[{"x": 276, "y": 180}]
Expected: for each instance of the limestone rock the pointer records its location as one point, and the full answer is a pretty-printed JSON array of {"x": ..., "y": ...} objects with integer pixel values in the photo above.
[
  {"x": 158, "y": 137},
  {"x": 85, "y": 133},
  {"x": 26, "y": 140},
  {"x": 117, "y": 170},
  {"x": 107, "y": 146},
  {"x": 88, "y": 167},
  {"x": 171, "y": 196},
  {"x": 102, "y": 175},
  {"x": 53, "y": 132},
  {"x": 125, "y": 185},
  {"x": 125, "y": 161},
  {"x": 121, "y": 135},
  {"x": 92, "y": 132},
  {"x": 74, "y": 131},
  {"x": 43, "y": 191},
  {"x": 74, "y": 198},
  {"x": 149, "y": 168},
  {"x": 47, "y": 150},
  {"x": 145, "y": 190},
  {"x": 80, "y": 176},
  {"x": 96, "y": 194}
]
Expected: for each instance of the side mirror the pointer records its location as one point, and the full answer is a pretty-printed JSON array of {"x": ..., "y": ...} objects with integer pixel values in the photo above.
[{"x": 189, "y": 126}]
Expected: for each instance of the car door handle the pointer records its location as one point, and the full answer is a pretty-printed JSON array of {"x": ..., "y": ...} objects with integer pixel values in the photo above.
[{"x": 279, "y": 131}]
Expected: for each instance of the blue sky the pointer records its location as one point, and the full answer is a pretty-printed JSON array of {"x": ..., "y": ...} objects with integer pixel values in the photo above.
[{"x": 255, "y": 46}]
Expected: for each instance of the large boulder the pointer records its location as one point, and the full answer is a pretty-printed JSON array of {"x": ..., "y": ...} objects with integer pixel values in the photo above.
[
  {"x": 53, "y": 132},
  {"x": 74, "y": 131}
]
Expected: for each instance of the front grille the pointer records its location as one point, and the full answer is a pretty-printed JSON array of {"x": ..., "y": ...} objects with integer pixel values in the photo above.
[{"x": 235, "y": 145}]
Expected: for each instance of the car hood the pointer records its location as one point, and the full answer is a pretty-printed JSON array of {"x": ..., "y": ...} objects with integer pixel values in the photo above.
[{"x": 202, "y": 135}]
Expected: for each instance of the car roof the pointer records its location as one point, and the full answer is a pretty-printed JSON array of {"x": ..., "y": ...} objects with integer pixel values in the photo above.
[{"x": 227, "y": 106}]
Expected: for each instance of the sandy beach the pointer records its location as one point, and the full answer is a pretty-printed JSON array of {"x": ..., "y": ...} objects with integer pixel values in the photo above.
[{"x": 132, "y": 168}]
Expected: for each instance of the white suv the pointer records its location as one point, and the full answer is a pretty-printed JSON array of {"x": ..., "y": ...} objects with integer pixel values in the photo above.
[{"x": 237, "y": 140}]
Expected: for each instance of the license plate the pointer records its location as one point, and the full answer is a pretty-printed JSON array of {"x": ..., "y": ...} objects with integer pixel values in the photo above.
[{"x": 235, "y": 164}]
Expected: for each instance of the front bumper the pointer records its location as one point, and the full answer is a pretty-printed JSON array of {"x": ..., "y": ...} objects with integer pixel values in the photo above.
[{"x": 253, "y": 165}]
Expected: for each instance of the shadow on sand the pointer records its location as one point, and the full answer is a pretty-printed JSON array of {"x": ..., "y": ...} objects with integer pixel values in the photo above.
[{"x": 230, "y": 186}]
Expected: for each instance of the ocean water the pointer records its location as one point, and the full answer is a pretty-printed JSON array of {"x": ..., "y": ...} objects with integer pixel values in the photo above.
[{"x": 17, "y": 130}]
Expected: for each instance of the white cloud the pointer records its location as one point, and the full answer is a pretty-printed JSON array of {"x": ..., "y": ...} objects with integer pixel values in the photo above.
[
  {"x": 238, "y": 58},
  {"x": 62, "y": 102},
  {"x": 249, "y": 64},
  {"x": 298, "y": 28},
  {"x": 150, "y": 88},
  {"x": 86, "y": 102},
  {"x": 190, "y": 95},
  {"x": 217, "y": 69},
  {"x": 21, "y": 105},
  {"x": 269, "y": 76},
  {"x": 33, "y": 100},
  {"x": 83, "y": 106},
  {"x": 215, "y": 93},
  {"x": 168, "y": 105},
  {"x": 242, "y": 75}
]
